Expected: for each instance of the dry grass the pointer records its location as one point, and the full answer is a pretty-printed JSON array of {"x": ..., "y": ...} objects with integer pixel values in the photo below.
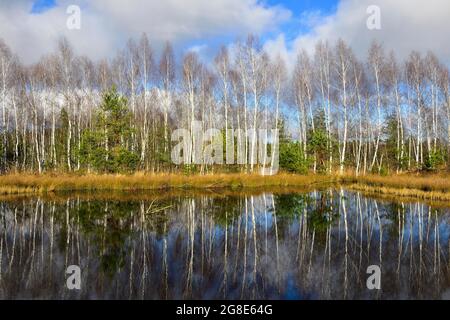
[
  {"x": 400, "y": 192},
  {"x": 426, "y": 183},
  {"x": 30, "y": 183},
  {"x": 434, "y": 187}
]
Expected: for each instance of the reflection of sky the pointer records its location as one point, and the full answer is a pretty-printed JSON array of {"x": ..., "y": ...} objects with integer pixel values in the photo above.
[{"x": 281, "y": 270}]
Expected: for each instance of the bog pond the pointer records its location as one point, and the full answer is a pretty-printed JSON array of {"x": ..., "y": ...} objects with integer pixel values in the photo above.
[{"x": 265, "y": 245}]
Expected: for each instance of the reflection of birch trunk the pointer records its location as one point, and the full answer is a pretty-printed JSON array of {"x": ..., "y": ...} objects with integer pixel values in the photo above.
[
  {"x": 239, "y": 222},
  {"x": 420, "y": 239},
  {"x": 225, "y": 264},
  {"x": 144, "y": 251},
  {"x": 1, "y": 255},
  {"x": 88, "y": 255},
  {"x": 303, "y": 241},
  {"x": 42, "y": 239},
  {"x": 344, "y": 209},
  {"x": 165, "y": 266},
  {"x": 105, "y": 224},
  {"x": 22, "y": 237},
  {"x": 299, "y": 236},
  {"x": 32, "y": 229},
  {"x": 435, "y": 248},
  {"x": 33, "y": 250},
  {"x": 254, "y": 233},
  {"x": 381, "y": 238},
  {"x": 255, "y": 263},
  {"x": 276, "y": 245},
  {"x": 330, "y": 245},
  {"x": 244, "y": 272},
  {"x": 266, "y": 224},
  {"x": 130, "y": 279},
  {"x": 429, "y": 223},
  {"x": 13, "y": 249},
  {"x": 369, "y": 225},
  {"x": 190, "y": 262},
  {"x": 411, "y": 257},
  {"x": 304, "y": 236},
  {"x": 381, "y": 231},
  {"x": 202, "y": 241},
  {"x": 5, "y": 234},
  {"x": 211, "y": 238},
  {"x": 359, "y": 208},
  {"x": 324, "y": 263},
  {"x": 78, "y": 234},
  {"x": 311, "y": 251},
  {"x": 438, "y": 251},
  {"x": 401, "y": 234},
  {"x": 4, "y": 241}
]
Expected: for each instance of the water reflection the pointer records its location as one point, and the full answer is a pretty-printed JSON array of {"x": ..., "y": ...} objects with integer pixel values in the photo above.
[{"x": 293, "y": 246}]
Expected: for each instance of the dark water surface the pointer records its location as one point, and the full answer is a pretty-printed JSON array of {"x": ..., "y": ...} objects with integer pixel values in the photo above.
[{"x": 315, "y": 245}]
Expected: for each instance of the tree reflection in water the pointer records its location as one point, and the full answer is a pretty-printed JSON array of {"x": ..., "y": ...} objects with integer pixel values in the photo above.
[{"x": 296, "y": 246}]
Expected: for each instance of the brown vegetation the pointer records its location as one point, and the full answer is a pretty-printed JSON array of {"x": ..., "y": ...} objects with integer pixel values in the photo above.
[
  {"x": 428, "y": 187},
  {"x": 33, "y": 183}
]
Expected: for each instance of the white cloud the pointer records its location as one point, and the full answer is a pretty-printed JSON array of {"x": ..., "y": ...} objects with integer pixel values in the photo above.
[
  {"x": 198, "y": 48},
  {"x": 278, "y": 47},
  {"x": 107, "y": 24},
  {"x": 406, "y": 25}
]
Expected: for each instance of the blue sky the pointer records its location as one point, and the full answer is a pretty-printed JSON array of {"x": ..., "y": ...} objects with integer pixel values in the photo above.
[
  {"x": 299, "y": 6},
  {"x": 296, "y": 6},
  {"x": 40, "y": 6},
  {"x": 290, "y": 28},
  {"x": 284, "y": 26}
]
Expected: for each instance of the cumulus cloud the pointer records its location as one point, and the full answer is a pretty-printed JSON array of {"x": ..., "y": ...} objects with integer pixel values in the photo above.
[
  {"x": 406, "y": 25},
  {"x": 107, "y": 24}
]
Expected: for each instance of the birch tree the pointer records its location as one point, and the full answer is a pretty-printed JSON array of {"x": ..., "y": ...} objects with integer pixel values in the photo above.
[
  {"x": 342, "y": 68},
  {"x": 6, "y": 65},
  {"x": 146, "y": 67},
  {"x": 167, "y": 75}
]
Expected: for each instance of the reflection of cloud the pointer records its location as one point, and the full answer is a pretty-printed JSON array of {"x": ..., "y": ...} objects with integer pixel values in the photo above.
[{"x": 107, "y": 24}]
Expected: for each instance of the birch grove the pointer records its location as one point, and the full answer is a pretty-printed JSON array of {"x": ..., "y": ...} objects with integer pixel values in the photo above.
[{"x": 334, "y": 111}]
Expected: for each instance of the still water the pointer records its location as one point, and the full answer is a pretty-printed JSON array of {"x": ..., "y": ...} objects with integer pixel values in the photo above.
[{"x": 314, "y": 245}]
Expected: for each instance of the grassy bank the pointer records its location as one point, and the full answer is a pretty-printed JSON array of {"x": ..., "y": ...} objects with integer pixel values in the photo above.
[
  {"x": 430, "y": 187},
  {"x": 427, "y": 187},
  {"x": 29, "y": 183}
]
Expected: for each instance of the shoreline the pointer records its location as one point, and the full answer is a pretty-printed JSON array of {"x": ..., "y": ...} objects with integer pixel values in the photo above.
[
  {"x": 46, "y": 183},
  {"x": 434, "y": 187}
]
